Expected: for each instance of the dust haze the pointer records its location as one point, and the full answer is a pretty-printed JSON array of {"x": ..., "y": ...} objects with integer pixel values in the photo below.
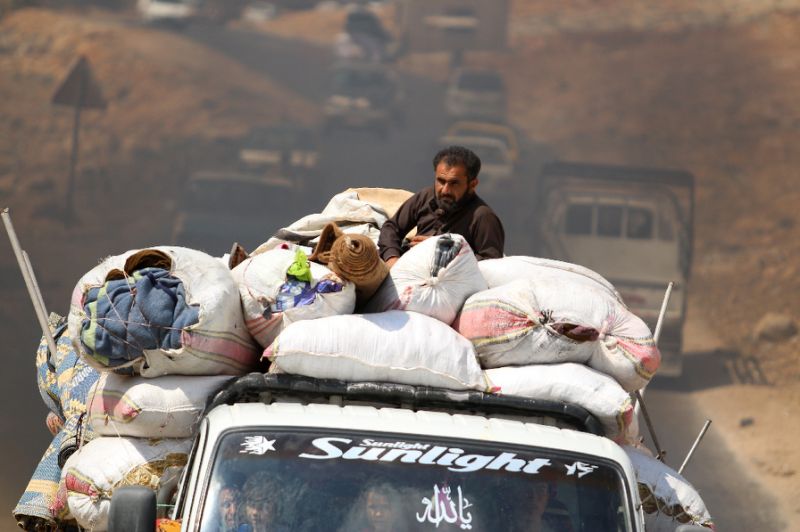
[{"x": 185, "y": 151}]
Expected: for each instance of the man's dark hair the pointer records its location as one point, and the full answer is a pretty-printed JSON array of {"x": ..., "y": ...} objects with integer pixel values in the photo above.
[{"x": 459, "y": 156}]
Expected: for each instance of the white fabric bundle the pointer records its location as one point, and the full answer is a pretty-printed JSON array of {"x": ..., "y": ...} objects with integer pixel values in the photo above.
[
  {"x": 575, "y": 384},
  {"x": 410, "y": 285},
  {"x": 260, "y": 278},
  {"x": 556, "y": 319},
  {"x": 346, "y": 209},
  {"x": 218, "y": 344},
  {"x": 162, "y": 407},
  {"x": 668, "y": 499},
  {"x": 394, "y": 346},
  {"x": 104, "y": 464}
]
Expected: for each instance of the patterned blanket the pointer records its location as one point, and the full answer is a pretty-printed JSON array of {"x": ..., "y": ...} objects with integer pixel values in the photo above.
[{"x": 64, "y": 382}]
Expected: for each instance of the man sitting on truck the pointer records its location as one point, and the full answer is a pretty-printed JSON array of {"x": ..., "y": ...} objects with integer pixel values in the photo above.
[{"x": 449, "y": 206}]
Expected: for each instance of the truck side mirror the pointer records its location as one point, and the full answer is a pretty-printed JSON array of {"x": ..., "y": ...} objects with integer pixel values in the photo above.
[{"x": 133, "y": 509}]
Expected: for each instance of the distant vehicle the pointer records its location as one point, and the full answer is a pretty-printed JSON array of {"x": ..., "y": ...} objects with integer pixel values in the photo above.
[
  {"x": 364, "y": 37},
  {"x": 363, "y": 96},
  {"x": 259, "y": 11},
  {"x": 291, "y": 150},
  {"x": 175, "y": 12},
  {"x": 500, "y": 132},
  {"x": 475, "y": 94},
  {"x": 220, "y": 208},
  {"x": 631, "y": 225},
  {"x": 496, "y": 163}
]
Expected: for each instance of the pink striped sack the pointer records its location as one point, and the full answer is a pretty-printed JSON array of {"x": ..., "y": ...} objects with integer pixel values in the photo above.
[
  {"x": 554, "y": 319},
  {"x": 161, "y": 407},
  {"x": 91, "y": 475},
  {"x": 217, "y": 344},
  {"x": 260, "y": 279}
]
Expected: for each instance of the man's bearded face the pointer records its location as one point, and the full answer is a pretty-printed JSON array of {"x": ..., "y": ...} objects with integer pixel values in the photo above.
[{"x": 452, "y": 185}]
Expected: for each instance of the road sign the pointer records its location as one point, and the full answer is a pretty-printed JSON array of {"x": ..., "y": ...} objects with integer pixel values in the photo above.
[
  {"x": 81, "y": 91},
  {"x": 79, "y": 88}
]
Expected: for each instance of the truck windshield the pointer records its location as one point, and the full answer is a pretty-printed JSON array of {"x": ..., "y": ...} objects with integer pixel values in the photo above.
[{"x": 292, "y": 480}]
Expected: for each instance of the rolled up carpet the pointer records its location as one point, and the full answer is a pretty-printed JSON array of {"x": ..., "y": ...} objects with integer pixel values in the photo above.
[{"x": 352, "y": 257}]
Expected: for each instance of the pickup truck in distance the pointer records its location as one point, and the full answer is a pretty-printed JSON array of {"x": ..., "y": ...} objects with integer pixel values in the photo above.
[
  {"x": 631, "y": 225},
  {"x": 332, "y": 455}
]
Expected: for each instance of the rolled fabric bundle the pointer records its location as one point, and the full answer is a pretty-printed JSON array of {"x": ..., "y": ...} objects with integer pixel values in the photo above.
[
  {"x": 64, "y": 379},
  {"x": 355, "y": 258},
  {"x": 41, "y": 502},
  {"x": 36, "y": 503},
  {"x": 322, "y": 251}
]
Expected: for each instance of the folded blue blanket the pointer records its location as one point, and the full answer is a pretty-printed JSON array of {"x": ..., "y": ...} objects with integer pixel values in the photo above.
[{"x": 147, "y": 310}]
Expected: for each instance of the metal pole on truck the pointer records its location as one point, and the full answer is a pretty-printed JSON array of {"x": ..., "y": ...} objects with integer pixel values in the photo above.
[
  {"x": 694, "y": 445},
  {"x": 639, "y": 398},
  {"x": 30, "y": 281}
]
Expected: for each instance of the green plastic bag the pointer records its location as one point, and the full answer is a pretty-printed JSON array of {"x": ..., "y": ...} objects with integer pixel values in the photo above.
[{"x": 300, "y": 268}]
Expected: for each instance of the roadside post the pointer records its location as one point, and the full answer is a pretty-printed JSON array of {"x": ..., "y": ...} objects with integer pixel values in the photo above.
[{"x": 81, "y": 91}]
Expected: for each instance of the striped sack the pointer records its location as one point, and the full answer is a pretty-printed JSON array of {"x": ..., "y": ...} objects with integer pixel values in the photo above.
[
  {"x": 555, "y": 319},
  {"x": 217, "y": 344}
]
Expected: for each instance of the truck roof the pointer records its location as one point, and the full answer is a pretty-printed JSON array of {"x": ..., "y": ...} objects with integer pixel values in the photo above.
[
  {"x": 290, "y": 401},
  {"x": 403, "y": 421},
  {"x": 267, "y": 388},
  {"x": 621, "y": 173}
]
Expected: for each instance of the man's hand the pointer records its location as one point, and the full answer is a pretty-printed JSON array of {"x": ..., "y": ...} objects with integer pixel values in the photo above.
[
  {"x": 417, "y": 239},
  {"x": 390, "y": 261}
]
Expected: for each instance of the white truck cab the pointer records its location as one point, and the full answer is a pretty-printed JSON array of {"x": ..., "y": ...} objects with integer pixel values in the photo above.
[{"x": 309, "y": 454}]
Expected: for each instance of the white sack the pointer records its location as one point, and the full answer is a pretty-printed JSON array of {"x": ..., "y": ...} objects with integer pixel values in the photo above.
[
  {"x": 553, "y": 320},
  {"x": 162, "y": 407},
  {"x": 218, "y": 344},
  {"x": 498, "y": 272},
  {"x": 668, "y": 499},
  {"x": 260, "y": 278},
  {"x": 410, "y": 285},
  {"x": 575, "y": 384},
  {"x": 104, "y": 464},
  {"x": 394, "y": 346}
]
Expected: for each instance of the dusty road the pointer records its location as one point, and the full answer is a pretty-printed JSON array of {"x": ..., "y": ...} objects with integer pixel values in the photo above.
[{"x": 734, "y": 499}]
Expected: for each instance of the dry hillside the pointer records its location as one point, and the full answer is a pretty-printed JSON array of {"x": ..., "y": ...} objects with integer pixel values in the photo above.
[{"x": 161, "y": 88}]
